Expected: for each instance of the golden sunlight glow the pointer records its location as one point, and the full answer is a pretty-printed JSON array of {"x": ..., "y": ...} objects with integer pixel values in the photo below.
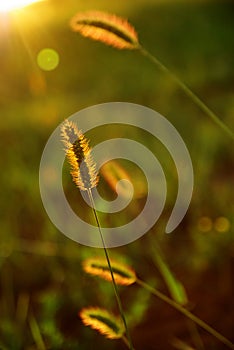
[{"x": 10, "y": 5}]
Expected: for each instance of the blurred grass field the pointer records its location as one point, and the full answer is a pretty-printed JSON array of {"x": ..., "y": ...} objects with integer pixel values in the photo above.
[{"x": 42, "y": 285}]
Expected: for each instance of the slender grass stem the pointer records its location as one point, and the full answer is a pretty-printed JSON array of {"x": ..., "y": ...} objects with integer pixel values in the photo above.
[
  {"x": 188, "y": 92},
  {"x": 126, "y": 342},
  {"x": 129, "y": 341},
  {"x": 187, "y": 313},
  {"x": 35, "y": 330}
]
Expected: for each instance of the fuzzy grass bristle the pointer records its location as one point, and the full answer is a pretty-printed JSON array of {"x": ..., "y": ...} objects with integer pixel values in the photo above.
[
  {"x": 123, "y": 274},
  {"x": 107, "y": 28},
  {"x": 78, "y": 152},
  {"x": 103, "y": 321}
]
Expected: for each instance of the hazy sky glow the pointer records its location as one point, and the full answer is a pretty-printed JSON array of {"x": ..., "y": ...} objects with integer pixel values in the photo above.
[{"x": 10, "y": 5}]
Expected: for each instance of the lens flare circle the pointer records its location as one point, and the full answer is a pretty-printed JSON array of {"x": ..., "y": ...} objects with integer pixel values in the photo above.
[
  {"x": 48, "y": 59},
  {"x": 50, "y": 174}
]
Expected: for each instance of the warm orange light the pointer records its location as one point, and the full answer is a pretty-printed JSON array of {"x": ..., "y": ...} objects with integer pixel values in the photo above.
[{"x": 10, "y": 5}]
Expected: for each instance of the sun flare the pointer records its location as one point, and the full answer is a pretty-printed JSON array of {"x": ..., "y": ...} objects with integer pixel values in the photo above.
[{"x": 10, "y": 5}]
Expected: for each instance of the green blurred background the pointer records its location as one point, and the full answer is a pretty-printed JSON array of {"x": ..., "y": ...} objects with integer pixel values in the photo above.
[{"x": 42, "y": 285}]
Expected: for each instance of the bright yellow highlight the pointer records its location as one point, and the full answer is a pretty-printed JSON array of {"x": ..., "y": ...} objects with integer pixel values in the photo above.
[
  {"x": 222, "y": 224},
  {"x": 48, "y": 59},
  {"x": 10, "y": 5}
]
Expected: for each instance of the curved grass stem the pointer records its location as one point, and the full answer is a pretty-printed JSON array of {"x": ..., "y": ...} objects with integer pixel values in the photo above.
[
  {"x": 127, "y": 340},
  {"x": 187, "y": 313},
  {"x": 188, "y": 92}
]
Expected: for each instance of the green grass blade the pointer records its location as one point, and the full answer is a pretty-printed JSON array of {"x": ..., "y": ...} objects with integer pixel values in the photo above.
[{"x": 175, "y": 287}]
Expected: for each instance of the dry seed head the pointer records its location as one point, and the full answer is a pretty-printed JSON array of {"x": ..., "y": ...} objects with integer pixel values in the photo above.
[
  {"x": 103, "y": 321},
  {"x": 107, "y": 28},
  {"x": 78, "y": 152},
  {"x": 123, "y": 274}
]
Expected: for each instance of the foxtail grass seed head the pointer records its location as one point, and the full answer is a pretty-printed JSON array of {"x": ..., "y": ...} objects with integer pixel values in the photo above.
[
  {"x": 107, "y": 28},
  {"x": 78, "y": 152},
  {"x": 123, "y": 274},
  {"x": 103, "y": 321}
]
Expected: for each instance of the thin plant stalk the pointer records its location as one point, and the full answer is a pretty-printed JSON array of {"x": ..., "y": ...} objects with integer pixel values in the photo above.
[
  {"x": 187, "y": 91},
  {"x": 36, "y": 333},
  {"x": 187, "y": 313},
  {"x": 117, "y": 32},
  {"x": 127, "y": 341}
]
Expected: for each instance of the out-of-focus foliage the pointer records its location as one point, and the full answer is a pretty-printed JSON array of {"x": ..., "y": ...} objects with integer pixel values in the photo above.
[{"x": 41, "y": 276}]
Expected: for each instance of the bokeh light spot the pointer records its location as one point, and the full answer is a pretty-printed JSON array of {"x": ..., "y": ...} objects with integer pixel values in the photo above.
[
  {"x": 48, "y": 59},
  {"x": 222, "y": 224},
  {"x": 204, "y": 224}
]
